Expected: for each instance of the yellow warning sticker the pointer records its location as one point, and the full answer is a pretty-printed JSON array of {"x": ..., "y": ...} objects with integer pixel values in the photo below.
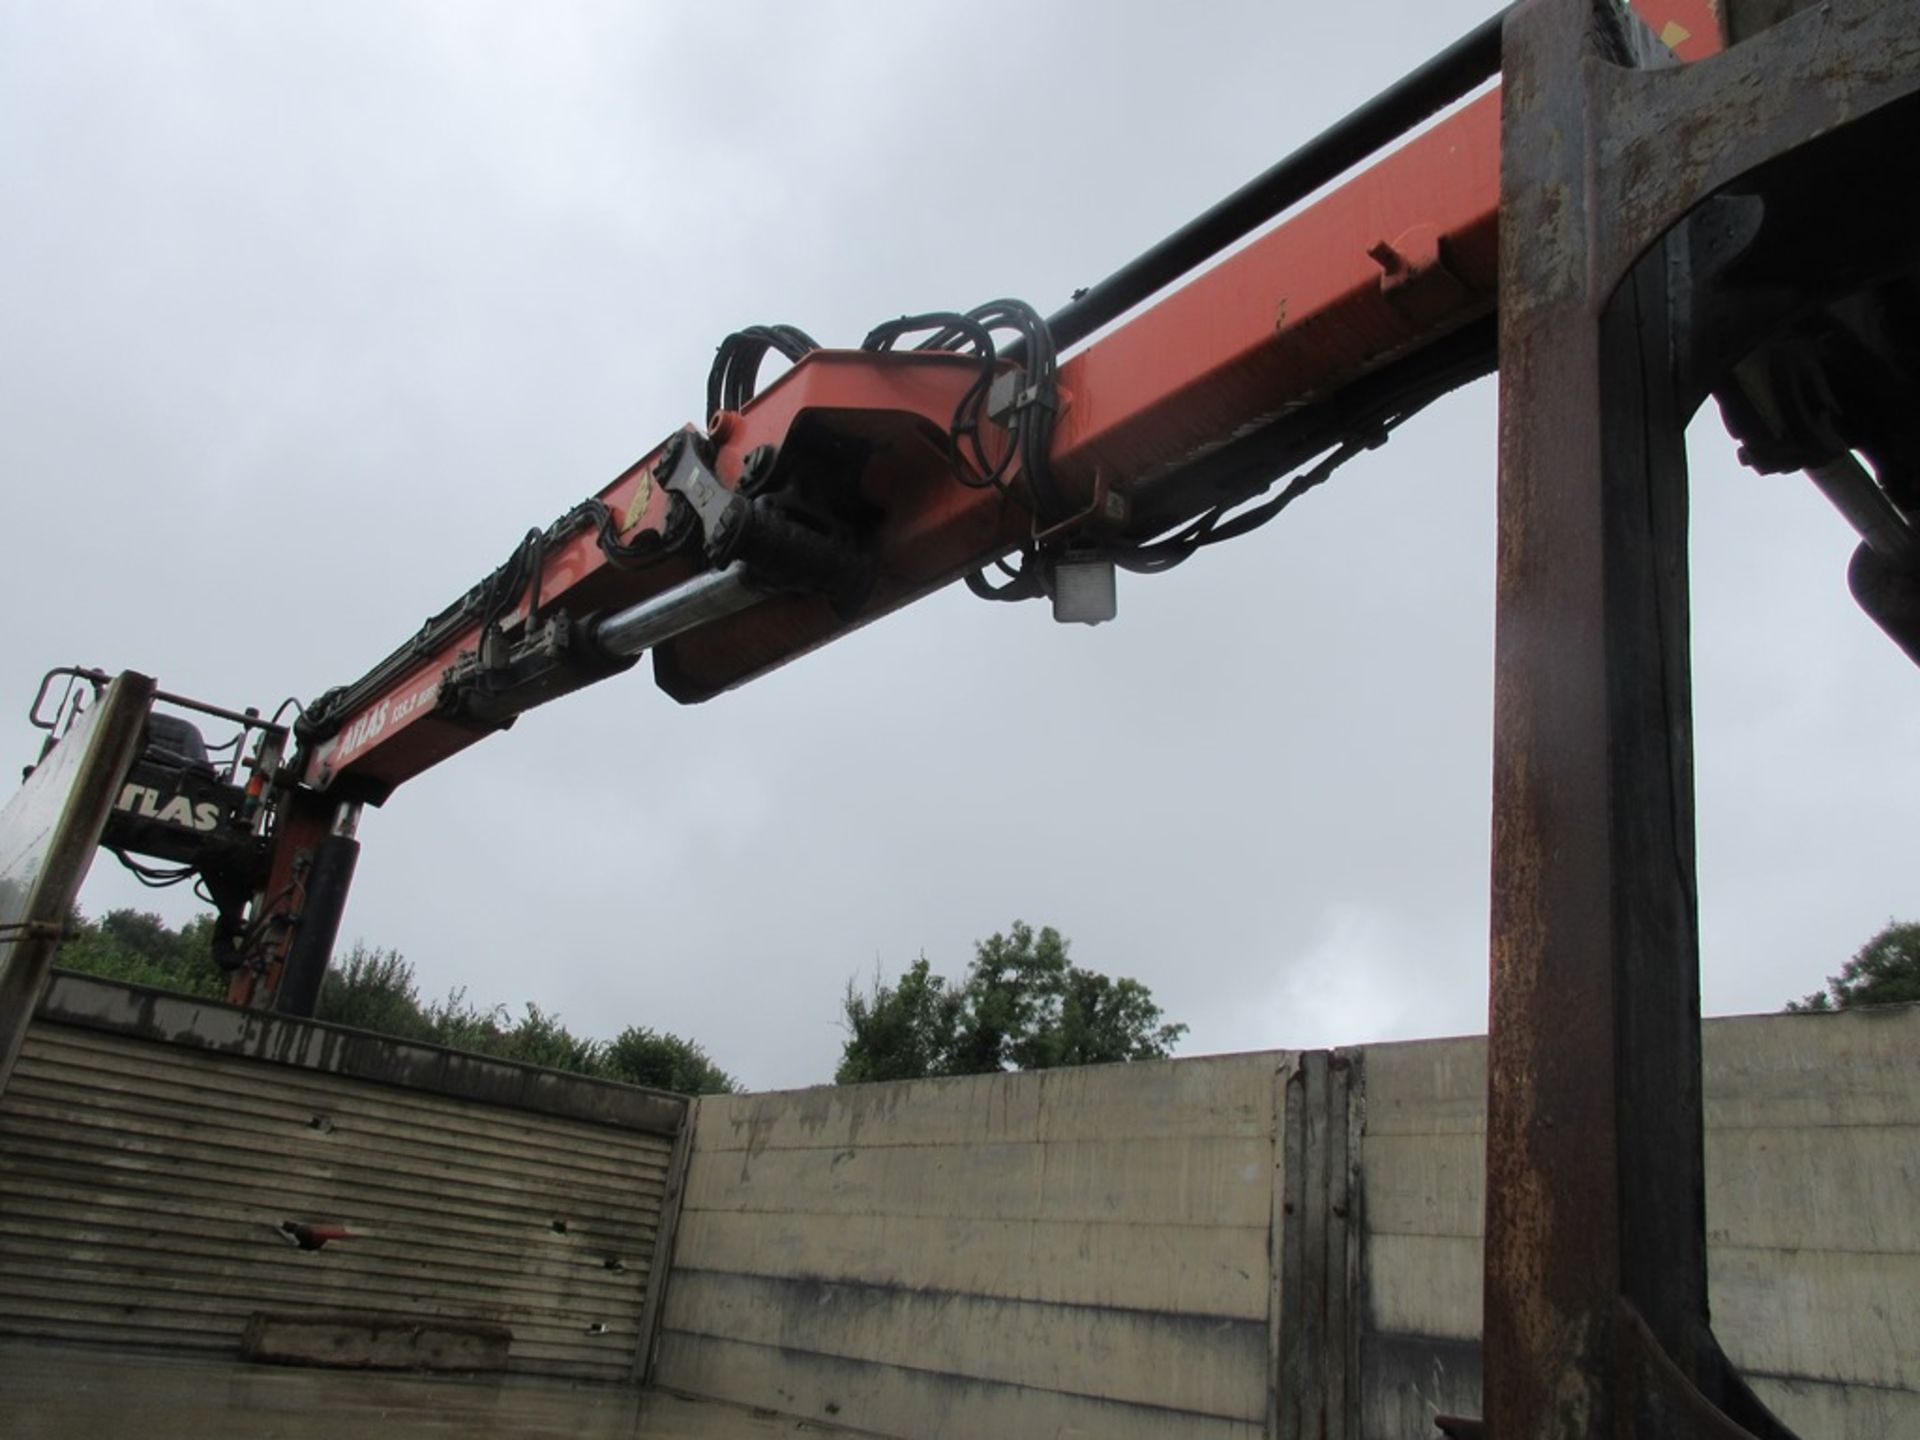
[
  {"x": 1674, "y": 35},
  {"x": 637, "y": 506}
]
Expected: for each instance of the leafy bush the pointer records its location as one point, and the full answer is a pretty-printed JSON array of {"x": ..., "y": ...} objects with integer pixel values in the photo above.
[
  {"x": 375, "y": 989},
  {"x": 137, "y": 948},
  {"x": 640, "y": 1056}
]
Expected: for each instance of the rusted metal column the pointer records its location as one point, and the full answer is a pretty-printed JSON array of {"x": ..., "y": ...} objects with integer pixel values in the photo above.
[
  {"x": 1596, "y": 1282},
  {"x": 1593, "y": 911}
]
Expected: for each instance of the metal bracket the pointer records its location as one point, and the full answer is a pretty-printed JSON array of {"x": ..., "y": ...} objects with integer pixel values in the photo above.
[
  {"x": 1107, "y": 507},
  {"x": 1415, "y": 278},
  {"x": 782, "y": 545},
  {"x": 681, "y": 470}
]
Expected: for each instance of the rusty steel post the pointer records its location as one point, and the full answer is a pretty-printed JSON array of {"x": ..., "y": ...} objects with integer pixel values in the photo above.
[
  {"x": 1594, "y": 1109},
  {"x": 1596, "y": 1319}
]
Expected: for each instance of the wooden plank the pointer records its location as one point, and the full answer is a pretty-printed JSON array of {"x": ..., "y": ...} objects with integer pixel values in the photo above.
[
  {"x": 355, "y": 1341},
  {"x": 356, "y": 1263},
  {"x": 1343, "y": 1245},
  {"x": 1283, "y": 1187},
  {"x": 122, "y": 1156},
  {"x": 50, "y": 1393},
  {"x": 397, "y": 1156},
  {"x": 253, "y": 1191},
  {"x": 183, "y": 1318},
  {"x": 507, "y": 1260},
  {"x": 1315, "y": 1345},
  {"x": 1195, "y": 1269},
  {"x": 172, "y": 1337},
  {"x": 666, "y": 1246},
  {"x": 1292, "y": 1375},
  {"x": 107, "y": 1330},
  {"x": 208, "y": 1083},
  {"x": 1227, "y": 1096},
  {"x": 254, "y": 1212},
  {"x": 609, "y": 1155},
  {"x": 138, "y": 1165},
  {"x": 597, "y": 1335},
  {"x": 922, "y": 1403},
  {"x": 1202, "y": 1364},
  {"x": 1173, "y": 1180},
  {"x": 180, "y": 1023},
  {"x": 219, "y": 1076},
  {"x": 139, "y": 1185},
  {"x": 1306, "y": 1316},
  {"x": 373, "y": 1277}
]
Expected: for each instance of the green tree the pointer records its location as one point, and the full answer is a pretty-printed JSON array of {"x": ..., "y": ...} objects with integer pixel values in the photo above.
[
  {"x": 903, "y": 1031},
  {"x": 1013, "y": 998},
  {"x": 1023, "y": 1005},
  {"x": 1103, "y": 1020},
  {"x": 1884, "y": 971},
  {"x": 640, "y": 1056},
  {"x": 538, "y": 1038},
  {"x": 374, "y": 990}
]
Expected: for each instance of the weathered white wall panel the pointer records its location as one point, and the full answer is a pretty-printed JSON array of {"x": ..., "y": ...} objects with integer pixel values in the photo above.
[
  {"x": 1185, "y": 1269},
  {"x": 1076, "y": 1253},
  {"x": 923, "y": 1404},
  {"x": 1813, "y": 1213},
  {"x": 1813, "y": 1166},
  {"x": 143, "y": 1181},
  {"x": 1147, "y": 1180}
]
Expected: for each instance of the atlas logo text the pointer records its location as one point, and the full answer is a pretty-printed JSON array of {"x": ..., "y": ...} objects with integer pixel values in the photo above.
[{"x": 148, "y": 803}]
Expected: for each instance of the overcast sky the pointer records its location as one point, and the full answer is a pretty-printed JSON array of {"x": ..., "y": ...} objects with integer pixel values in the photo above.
[{"x": 308, "y": 312}]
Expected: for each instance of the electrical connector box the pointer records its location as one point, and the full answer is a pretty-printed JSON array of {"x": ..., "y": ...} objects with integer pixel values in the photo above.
[{"x": 1084, "y": 590}]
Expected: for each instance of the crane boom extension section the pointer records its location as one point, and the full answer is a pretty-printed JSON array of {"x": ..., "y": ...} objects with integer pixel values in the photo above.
[
  {"x": 1381, "y": 269},
  {"x": 848, "y": 462},
  {"x": 862, "y": 479},
  {"x": 843, "y": 441}
]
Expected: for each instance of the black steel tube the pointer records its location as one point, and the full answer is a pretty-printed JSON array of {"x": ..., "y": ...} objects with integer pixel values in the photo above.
[
  {"x": 1435, "y": 85},
  {"x": 334, "y": 859},
  {"x": 1890, "y": 594},
  {"x": 238, "y": 717},
  {"x": 1865, "y": 506}
]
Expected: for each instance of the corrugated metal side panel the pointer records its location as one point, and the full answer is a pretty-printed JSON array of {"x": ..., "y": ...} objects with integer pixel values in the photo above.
[{"x": 142, "y": 1184}]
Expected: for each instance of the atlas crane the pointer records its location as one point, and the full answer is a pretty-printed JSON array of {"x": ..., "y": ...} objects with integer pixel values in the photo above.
[
  {"x": 945, "y": 446},
  {"x": 1681, "y": 200}
]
